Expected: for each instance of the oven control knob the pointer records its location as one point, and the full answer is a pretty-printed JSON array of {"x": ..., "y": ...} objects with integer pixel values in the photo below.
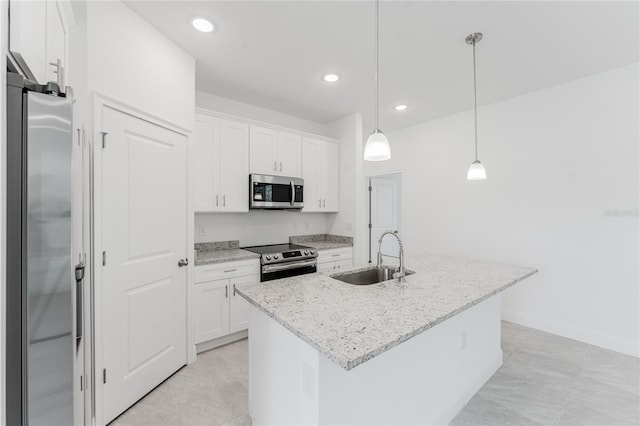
[
  {"x": 268, "y": 257},
  {"x": 306, "y": 252},
  {"x": 312, "y": 252},
  {"x": 275, "y": 256}
]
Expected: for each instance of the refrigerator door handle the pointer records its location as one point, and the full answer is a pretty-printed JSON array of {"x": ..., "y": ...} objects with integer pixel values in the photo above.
[{"x": 79, "y": 300}]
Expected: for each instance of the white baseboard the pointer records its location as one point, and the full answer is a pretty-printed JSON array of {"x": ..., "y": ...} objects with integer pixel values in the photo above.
[
  {"x": 466, "y": 397},
  {"x": 591, "y": 337},
  {"x": 221, "y": 341}
]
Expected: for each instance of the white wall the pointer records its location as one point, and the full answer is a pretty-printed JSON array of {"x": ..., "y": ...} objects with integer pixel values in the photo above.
[
  {"x": 241, "y": 109},
  {"x": 4, "y": 39},
  {"x": 132, "y": 62},
  {"x": 561, "y": 196},
  {"x": 348, "y": 130},
  {"x": 258, "y": 227}
]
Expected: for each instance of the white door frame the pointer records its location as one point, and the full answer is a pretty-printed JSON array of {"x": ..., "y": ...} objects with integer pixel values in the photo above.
[
  {"x": 100, "y": 101},
  {"x": 401, "y": 216}
]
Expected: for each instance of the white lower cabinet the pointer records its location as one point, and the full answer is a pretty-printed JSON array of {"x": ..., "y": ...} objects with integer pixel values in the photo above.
[
  {"x": 335, "y": 259},
  {"x": 219, "y": 310},
  {"x": 212, "y": 310}
]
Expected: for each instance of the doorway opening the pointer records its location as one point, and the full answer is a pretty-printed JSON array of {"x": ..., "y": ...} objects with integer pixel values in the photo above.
[{"x": 385, "y": 213}]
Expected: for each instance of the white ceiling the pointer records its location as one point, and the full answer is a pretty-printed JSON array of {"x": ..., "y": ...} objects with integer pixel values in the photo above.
[{"x": 273, "y": 53}]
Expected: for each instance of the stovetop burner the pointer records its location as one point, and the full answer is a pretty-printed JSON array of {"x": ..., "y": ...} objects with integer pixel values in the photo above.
[{"x": 281, "y": 253}]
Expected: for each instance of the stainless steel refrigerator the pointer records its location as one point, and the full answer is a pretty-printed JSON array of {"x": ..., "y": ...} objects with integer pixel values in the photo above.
[{"x": 41, "y": 335}]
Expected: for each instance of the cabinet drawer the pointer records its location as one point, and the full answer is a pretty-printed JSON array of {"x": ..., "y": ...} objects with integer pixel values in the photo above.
[
  {"x": 325, "y": 256},
  {"x": 217, "y": 271}
]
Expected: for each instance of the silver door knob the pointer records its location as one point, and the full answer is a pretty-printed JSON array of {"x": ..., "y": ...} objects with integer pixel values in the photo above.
[{"x": 183, "y": 262}]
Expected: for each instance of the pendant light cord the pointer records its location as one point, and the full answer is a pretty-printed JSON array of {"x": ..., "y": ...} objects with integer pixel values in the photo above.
[
  {"x": 475, "y": 98},
  {"x": 377, "y": 61}
]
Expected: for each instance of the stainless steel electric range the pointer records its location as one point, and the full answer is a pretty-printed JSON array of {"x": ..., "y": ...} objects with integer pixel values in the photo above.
[{"x": 285, "y": 260}]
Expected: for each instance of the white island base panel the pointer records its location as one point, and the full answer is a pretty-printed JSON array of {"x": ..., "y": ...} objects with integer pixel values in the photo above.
[{"x": 424, "y": 380}]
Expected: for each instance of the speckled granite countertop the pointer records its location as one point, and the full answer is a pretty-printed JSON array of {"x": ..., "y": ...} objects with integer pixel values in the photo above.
[
  {"x": 226, "y": 255},
  {"x": 221, "y": 251},
  {"x": 322, "y": 241},
  {"x": 351, "y": 324}
]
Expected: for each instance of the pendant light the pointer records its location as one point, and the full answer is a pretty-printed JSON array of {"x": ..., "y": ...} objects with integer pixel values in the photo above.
[
  {"x": 377, "y": 146},
  {"x": 476, "y": 170}
]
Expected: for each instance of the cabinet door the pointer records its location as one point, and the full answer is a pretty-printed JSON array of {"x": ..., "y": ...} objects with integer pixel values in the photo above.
[
  {"x": 326, "y": 267},
  {"x": 238, "y": 306},
  {"x": 28, "y": 34},
  {"x": 206, "y": 175},
  {"x": 55, "y": 45},
  {"x": 331, "y": 177},
  {"x": 311, "y": 152},
  {"x": 342, "y": 264},
  {"x": 234, "y": 166},
  {"x": 263, "y": 151},
  {"x": 211, "y": 302},
  {"x": 289, "y": 155}
]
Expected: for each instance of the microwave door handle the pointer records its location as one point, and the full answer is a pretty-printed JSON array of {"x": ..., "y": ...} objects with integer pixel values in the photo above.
[{"x": 293, "y": 192}]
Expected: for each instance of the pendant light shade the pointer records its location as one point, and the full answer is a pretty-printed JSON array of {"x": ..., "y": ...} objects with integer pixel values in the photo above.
[
  {"x": 476, "y": 170},
  {"x": 377, "y": 146}
]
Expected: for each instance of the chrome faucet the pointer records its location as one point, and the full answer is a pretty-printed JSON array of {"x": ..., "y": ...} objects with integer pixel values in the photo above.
[{"x": 401, "y": 271}]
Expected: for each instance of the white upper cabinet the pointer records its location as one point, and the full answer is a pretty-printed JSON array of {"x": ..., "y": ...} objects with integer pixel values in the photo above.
[
  {"x": 289, "y": 155},
  {"x": 38, "y": 31},
  {"x": 320, "y": 171},
  {"x": 275, "y": 153},
  {"x": 234, "y": 166},
  {"x": 221, "y": 165},
  {"x": 206, "y": 135}
]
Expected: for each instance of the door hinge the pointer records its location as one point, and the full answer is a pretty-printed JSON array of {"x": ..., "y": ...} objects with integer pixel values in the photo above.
[
  {"x": 370, "y": 226},
  {"x": 80, "y": 383},
  {"x": 104, "y": 258},
  {"x": 104, "y": 375},
  {"x": 104, "y": 139},
  {"x": 370, "y": 188}
]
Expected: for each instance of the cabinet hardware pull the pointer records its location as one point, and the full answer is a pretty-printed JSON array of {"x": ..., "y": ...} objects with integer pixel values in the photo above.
[
  {"x": 234, "y": 290},
  {"x": 226, "y": 291},
  {"x": 281, "y": 166},
  {"x": 335, "y": 255},
  {"x": 224, "y": 200},
  {"x": 230, "y": 270},
  {"x": 319, "y": 202},
  {"x": 216, "y": 201},
  {"x": 324, "y": 203},
  {"x": 183, "y": 262},
  {"x": 275, "y": 166}
]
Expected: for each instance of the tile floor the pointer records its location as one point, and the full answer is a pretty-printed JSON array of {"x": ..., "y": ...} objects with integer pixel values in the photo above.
[{"x": 545, "y": 380}]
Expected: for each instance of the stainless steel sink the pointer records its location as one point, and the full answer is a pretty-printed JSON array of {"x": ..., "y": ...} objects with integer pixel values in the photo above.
[{"x": 368, "y": 276}]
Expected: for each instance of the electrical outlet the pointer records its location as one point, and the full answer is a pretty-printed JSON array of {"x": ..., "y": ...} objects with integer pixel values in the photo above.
[
  {"x": 348, "y": 227},
  {"x": 201, "y": 230}
]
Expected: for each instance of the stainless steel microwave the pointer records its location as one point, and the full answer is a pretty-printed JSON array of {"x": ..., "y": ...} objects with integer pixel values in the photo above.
[{"x": 275, "y": 192}]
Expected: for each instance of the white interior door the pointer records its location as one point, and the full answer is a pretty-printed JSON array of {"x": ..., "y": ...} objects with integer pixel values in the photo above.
[
  {"x": 384, "y": 216},
  {"x": 144, "y": 302}
]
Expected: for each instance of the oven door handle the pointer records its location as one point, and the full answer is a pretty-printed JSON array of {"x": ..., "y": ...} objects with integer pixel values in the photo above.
[
  {"x": 288, "y": 265},
  {"x": 293, "y": 192}
]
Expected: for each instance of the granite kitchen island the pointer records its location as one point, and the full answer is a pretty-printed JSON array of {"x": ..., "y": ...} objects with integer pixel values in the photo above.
[{"x": 325, "y": 352}]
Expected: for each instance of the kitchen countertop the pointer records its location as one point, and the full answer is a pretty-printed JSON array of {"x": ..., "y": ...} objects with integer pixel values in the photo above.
[
  {"x": 351, "y": 324},
  {"x": 322, "y": 241},
  {"x": 207, "y": 257},
  {"x": 326, "y": 245}
]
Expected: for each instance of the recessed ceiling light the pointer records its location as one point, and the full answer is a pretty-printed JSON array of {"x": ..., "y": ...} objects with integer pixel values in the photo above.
[
  {"x": 203, "y": 25},
  {"x": 400, "y": 107},
  {"x": 331, "y": 78}
]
